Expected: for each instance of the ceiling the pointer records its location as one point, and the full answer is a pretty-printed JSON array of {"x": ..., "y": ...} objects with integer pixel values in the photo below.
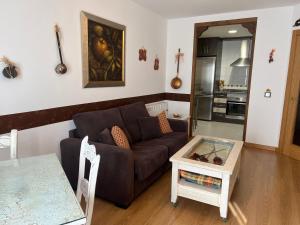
[
  {"x": 222, "y": 31},
  {"x": 187, "y": 8}
]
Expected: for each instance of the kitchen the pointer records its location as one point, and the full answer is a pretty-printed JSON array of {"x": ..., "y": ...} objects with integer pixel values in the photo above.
[{"x": 221, "y": 81}]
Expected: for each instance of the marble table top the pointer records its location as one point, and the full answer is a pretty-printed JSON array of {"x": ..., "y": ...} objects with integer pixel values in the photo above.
[{"x": 36, "y": 191}]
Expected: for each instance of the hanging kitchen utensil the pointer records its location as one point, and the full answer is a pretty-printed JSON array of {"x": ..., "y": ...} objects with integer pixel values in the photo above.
[
  {"x": 176, "y": 81},
  {"x": 8, "y": 68},
  {"x": 60, "y": 68}
]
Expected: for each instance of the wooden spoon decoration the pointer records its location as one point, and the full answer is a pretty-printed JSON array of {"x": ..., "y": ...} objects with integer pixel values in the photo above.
[
  {"x": 60, "y": 68},
  {"x": 176, "y": 81}
]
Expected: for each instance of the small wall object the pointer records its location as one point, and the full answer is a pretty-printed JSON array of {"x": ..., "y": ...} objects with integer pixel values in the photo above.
[
  {"x": 268, "y": 93},
  {"x": 143, "y": 54},
  {"x": 156, "y": 63},
  {"x": 176, "y": 81},
  {"x": 297, "y": 23},
  {"x": 271, "y": 56},
  {"x": 8, "y": 68},
  {"x": 60, "y": 68}
]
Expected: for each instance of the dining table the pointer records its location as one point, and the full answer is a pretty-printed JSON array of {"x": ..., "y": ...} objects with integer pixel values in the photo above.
[{"x": 36, "y": 191}]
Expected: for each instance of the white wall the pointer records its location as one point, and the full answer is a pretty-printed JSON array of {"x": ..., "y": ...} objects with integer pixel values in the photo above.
[
  {"x": 273, "y": 31},
  {"x": 28, "y": 39},
  {"x": 296, "y": 13}
]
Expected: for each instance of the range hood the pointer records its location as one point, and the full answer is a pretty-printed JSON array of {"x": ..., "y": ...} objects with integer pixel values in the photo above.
[{"x": 243, "y": 61}]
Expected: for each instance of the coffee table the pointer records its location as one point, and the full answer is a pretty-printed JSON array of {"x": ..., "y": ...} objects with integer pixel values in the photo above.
[{"x": 225, "y": 152}]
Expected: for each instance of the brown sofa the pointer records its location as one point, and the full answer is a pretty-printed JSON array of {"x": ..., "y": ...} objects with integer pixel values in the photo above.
[{"x": 123, "y": 174}]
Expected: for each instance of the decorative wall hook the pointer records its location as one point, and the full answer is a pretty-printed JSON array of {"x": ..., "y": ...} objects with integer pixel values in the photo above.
[
  {"x": 8, "y": 68},
  {"x": 271, "y": 56},
  {"x": 156, "y": 63},
  {"x": 143, "y": 54},
  {"x": 60, "y": 68}
]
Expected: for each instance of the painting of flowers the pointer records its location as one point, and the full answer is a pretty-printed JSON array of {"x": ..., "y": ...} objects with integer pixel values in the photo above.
[{"x": 103, "y": 50}]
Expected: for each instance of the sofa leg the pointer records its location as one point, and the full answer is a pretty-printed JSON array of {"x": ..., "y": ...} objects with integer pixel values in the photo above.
[{"x": 122, "y": 206}]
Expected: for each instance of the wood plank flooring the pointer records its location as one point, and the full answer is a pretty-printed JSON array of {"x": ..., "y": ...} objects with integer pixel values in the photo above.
[{"x": 268, "y": 193}]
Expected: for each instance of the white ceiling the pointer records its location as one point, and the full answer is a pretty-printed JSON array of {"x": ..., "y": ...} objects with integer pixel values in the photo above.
[
  {"x": 186, "y": 8},
  {"x": 222, "y": 31}
]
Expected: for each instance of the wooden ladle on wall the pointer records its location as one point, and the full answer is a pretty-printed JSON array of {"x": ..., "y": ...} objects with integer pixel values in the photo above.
[{"x": 176, "y": 81}]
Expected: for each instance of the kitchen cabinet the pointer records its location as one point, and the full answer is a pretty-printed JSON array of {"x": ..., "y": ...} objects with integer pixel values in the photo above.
[{"x": 208, "y": 47}]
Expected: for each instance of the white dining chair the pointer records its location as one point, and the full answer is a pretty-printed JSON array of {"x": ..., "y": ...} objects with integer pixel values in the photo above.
[
  {"x": 87, "y": 187},
  {"x": 10, "y": 142}
]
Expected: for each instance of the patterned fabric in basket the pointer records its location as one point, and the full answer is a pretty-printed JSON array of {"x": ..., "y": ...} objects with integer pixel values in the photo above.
[{"x": 201, "y": 179}]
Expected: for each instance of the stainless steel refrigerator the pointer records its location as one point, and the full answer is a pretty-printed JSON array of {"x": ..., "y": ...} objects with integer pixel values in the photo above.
[{"x": 204, "y": 87}]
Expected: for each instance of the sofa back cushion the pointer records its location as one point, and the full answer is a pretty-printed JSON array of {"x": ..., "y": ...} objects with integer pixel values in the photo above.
[
  {"x": 93, "y": 123},
  {"x": 149, "y": 127},
  {"x": 130, "y": 114}
]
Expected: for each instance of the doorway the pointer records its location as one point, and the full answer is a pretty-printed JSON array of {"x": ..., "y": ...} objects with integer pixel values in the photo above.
[
  {"x": 290, "y": 127},
  {"x": 221, "y": 77}
]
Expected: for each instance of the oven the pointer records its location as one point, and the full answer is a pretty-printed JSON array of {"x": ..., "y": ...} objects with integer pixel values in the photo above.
[{"x": 236, "y": 106}]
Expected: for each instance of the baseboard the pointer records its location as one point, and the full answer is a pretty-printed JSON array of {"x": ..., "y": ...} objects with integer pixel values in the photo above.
[{"x": 258, "y": 146}]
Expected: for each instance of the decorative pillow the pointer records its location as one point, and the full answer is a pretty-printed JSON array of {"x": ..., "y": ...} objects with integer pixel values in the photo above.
[
  {"x": 149, "y": 127},
  {"x": 106, "y": 138},
  {"x": 120, "y": 137},
  {"x": 164, "y": 123}
]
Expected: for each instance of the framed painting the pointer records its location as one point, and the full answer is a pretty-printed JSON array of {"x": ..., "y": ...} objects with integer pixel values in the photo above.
[{"x": 103, "y": 52}]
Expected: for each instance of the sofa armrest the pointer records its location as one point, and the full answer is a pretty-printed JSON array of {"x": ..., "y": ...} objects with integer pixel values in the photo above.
[
  {"x": 179, "y": 125},
  {"x": 115, "y": 181}
]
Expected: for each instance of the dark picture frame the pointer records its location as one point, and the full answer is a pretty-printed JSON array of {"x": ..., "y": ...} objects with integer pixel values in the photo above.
[{"x": 103, "y": 52}]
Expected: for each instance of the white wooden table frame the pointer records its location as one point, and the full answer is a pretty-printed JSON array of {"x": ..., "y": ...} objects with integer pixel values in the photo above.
[{"x": 229, "y": 173}]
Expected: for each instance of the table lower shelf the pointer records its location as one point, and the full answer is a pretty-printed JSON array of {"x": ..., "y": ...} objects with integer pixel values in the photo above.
[{"x": 198, "y": 192}]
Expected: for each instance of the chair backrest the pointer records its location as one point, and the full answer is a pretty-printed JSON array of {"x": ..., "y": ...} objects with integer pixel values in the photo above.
[
  {"x": 10, "y": 142},
  {"x": 87, "y": 187}
]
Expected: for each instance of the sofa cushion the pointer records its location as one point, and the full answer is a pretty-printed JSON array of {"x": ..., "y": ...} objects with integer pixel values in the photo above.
[
  {"x": 174, "y": 141},
  {"x": 148, "y": 159},
  {"x": 164, "y": 123},
  {"x": 106, "y": 138},
  {"x": 149, "y": 127},
  {"x": 120, "y": 137},
  {"x": 92, "y": 123},
  {"x": 130, "y": 114}
]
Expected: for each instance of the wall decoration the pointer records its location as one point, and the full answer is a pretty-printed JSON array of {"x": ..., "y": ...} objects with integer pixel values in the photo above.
[
  {"x": 103, "y": 52},
  {"x": 297, "y": 23},
  {"x": 60, "y": 68},
  {"x": 8, "y": 68},
  {"x": 271, "y": 55},
  {"x": 156, "y": 63},
  {"x": 143, "y": 54},
  {"x": 177, "y": 82}
]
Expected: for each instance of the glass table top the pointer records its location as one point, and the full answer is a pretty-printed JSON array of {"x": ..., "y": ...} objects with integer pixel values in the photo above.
[
  {"x": 36, "y": 191},
  {"x": 210, "y": 151}
]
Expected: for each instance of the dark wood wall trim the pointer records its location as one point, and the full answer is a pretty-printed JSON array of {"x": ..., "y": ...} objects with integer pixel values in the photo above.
[
  {"x": 43, "y": 117},
  {"x": 177, "y": 97}
]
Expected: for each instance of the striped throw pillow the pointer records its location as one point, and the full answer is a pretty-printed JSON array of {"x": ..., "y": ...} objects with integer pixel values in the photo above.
[
  {"x": 164, "y": 123},
  {"x": 120, "y": 137}
]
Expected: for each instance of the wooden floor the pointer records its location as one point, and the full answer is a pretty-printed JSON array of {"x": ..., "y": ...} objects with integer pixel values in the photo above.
[{"x": 268, "y": 193}]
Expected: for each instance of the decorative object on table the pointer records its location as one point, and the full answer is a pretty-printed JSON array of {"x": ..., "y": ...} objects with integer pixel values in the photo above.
[
  {"x": 177, "y": 115},
  {"x": 176, "y": 81},
  {"x": 103, "y": 52},
  {"x": 8, "y": 69},
  {"x": 204, "y": 157},
  {"x": 297, "y": 23},
  {"x": 221, "y": 84},
  {"x": 143, "y": 54},
  {"x": 156, "y": 63},
  {"x": 60, "y": 68},
  {"x": 271, "y": 56}
]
